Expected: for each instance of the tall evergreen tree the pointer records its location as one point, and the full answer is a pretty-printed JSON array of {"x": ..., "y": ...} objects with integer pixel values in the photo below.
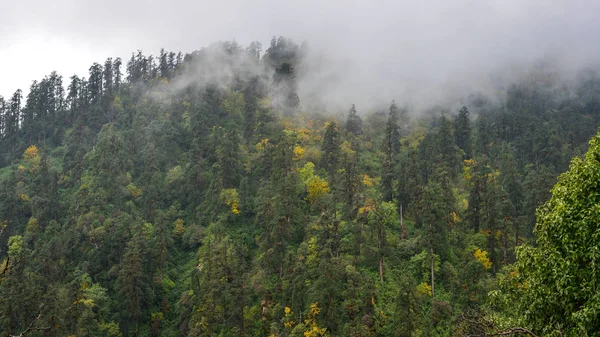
[
  {"x": 353, "y": 122},
  {"x": 462, "y": 127},
  {"x": 117, "y": 73},
  {"x": 95, "y": 83},
  {"x": 391, "y": 148},
  {"x": 331, "y": 149}
]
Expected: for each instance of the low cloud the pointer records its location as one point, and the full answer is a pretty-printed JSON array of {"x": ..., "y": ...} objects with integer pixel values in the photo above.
[{"x": 363, "y": 52}]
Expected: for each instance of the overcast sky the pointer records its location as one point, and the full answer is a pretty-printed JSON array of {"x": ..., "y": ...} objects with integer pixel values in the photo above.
[{"x": 384, "y": 46}]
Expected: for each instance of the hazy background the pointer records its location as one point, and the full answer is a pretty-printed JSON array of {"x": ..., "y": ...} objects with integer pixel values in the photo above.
[{"x": 420, "y": 52}]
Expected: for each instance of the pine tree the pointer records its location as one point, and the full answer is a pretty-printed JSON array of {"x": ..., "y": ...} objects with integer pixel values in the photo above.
[
  {"x": 12, "y": 120},
  {"x": 95, "y": 83},
  {"x": 117, "y": 73},
  {"x": 330, "y": 149},
  {"x": 132, "y": 283},
  {"x": 354, "y": 122},
  {"x": 462, "y": 125},
  {"x": 163, "y": 64},
  {"x": 392, "y": 147},
  {"x": 108, "y": 78},
  {"x": 3, "y": 112},
  {"x": 511, "y": 182},
  {"x": 446, "y": 150}
]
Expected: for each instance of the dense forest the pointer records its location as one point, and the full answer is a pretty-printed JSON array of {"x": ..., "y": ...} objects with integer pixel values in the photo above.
[{"x": 192, "y": 195}]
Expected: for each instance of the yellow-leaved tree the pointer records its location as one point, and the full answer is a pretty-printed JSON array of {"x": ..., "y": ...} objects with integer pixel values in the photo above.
[
  {"x": 32, "y": 158},
  {"x": 311, "y": 322},
  {"x": 481, "y": 256},
  {"x": 316, "y": 186},
  {"x": 231, "y": 198}
]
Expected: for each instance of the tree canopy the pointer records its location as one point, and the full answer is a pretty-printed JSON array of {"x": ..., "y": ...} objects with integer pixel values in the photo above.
[
  {"x": 192, "y": 194},
  {"x": 552, "y": 288}
]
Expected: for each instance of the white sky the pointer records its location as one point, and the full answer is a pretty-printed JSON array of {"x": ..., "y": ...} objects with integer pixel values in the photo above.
[
  {"x": 33, "y": 57},
  {"x": 399, "y": 46}
]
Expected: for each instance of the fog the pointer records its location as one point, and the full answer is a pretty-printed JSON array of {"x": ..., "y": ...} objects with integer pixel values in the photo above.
[{"x": 362, "y": 52}]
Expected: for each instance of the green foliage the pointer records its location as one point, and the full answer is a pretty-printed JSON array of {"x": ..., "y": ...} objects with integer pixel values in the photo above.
[
  {"x": 553, "y": 285},
  {"x": 354, "y": 123},
  {"x": 15, "y": 246},
  {"x": 155, "y": 206},
  {"x": 330, "y": 149},
  {"x": 316, "y": 187},
  {"x": 463, "y": 132}
]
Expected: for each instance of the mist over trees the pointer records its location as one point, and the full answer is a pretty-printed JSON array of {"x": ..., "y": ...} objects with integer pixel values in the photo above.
[{"x": 195, "y": 195}]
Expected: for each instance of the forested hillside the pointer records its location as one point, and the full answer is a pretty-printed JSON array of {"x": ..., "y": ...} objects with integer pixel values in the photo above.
[{"x": 192, "y": 195}]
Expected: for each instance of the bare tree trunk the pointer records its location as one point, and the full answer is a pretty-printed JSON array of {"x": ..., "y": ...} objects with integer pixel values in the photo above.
[
  {"x": 505, "y": 242},
  {"x": 380, "y": 249},
  {"x": 358, "y": 243},
  {"x": 403, "y": 231},
  {"x": 432, "y": 264},
  {"x": 281, "y": 269},
  {"x": 517, "y": 232},
  {"x": 31, "y": 326},
  {"x": 381, "y": 268},
  {"x": 432, "y": 275}
]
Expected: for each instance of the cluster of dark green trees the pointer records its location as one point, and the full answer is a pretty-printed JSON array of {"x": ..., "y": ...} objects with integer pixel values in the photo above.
[{"x": 192, "y": 196}]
